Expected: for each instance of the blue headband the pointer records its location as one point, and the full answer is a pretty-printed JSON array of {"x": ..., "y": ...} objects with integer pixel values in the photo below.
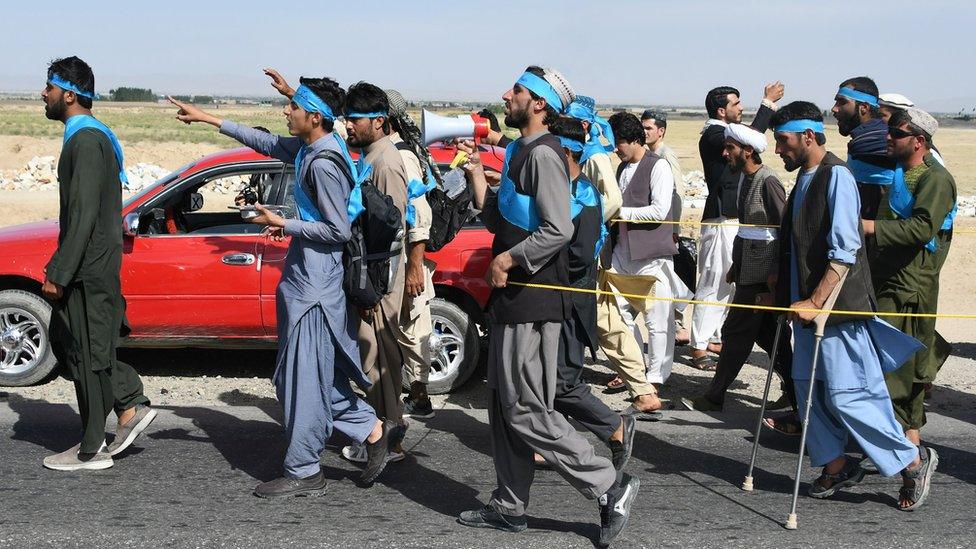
[
  {"x": 800, "y": 126},
  {"x": 851, "y": 93},
  {"x": 305, "y": 98},
  {"x": 374, "y": 114},
  {"x": 571, "y": 144},
  {"x": 584, "y": 108},
  {"x": 68, "y": 86},
  {"x": 543, "y": 89}
]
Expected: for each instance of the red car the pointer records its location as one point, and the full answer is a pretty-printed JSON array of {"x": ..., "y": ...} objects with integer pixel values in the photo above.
[{"x": 196, "y": 275}]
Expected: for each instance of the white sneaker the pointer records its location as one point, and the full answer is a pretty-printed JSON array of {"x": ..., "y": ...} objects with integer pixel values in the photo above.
[
  {"x": 72, "y": 460},
  {"x": 357, "y": 454}
]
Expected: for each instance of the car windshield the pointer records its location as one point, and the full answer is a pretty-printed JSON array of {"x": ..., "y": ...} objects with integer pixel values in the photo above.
[{"x": 166, "y": 180}]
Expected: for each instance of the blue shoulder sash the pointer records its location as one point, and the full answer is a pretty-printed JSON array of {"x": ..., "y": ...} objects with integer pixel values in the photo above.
[{"x": 77, "y": 123}]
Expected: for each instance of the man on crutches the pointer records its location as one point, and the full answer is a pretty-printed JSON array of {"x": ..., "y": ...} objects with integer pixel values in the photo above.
[{"x": 843, "y": 394}]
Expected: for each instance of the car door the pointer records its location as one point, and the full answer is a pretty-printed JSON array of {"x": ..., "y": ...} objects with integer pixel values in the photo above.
[
  {"x": 273, "y": 260},
  {"x": 198, "y": 275}
]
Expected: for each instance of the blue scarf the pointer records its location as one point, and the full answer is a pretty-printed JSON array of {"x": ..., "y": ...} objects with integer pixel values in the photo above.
[
  {"x": 307, "y": 209},
  {"x": 82, "y": 121},
  {"x": 902, "y": 202},
  {"x": 867, "y": 154},
  {"x": 416, "y": 189},
  {"x": 520, "y": 209},
  {"x": 584, "y": 108}
]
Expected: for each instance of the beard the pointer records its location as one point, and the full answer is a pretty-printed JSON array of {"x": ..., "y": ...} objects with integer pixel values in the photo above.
[
  {"x": 847, "y": 124},
  {"x": 791, "y": 164},
  {"x": 56, "y": 111},
  {"x": 516, "y": 119}
]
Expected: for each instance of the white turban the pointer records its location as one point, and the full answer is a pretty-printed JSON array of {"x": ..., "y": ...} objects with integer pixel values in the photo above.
[
  {"x": 745, "y": 135},
  {"x": 895, "y": 101}
]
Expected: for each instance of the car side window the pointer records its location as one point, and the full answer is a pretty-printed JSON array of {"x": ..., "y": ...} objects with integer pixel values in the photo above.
[{"x": 207, "y": 205}]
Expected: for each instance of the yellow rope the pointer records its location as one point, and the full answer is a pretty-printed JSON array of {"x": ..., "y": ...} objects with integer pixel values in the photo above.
[
  {"x": 740, "y": 305},
  {"x": 728, "y": 224}
]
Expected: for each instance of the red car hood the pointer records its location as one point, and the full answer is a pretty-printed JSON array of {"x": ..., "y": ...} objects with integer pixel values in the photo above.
[{"x": 38, "y": 238}]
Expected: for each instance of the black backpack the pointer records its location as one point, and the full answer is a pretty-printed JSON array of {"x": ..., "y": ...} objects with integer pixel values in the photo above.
[
  {"x": 448, "y": 215},
  {"x": 369, "y": 257}
]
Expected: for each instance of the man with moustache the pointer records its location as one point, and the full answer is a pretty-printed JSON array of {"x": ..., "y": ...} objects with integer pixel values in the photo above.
[
  {"x": 367, "y": 119},
  {"x": 530, "y": 218},
  {"x": 821, "y": 247},
  {"x": 755, "y": 268},
  {"x": 715, "y": 251},
  {"x": 856, "y": 111},
  {"x": 913, "y": 233},
  {"x": 318, "y": 355},
  {"x": 82, "y": 279}
]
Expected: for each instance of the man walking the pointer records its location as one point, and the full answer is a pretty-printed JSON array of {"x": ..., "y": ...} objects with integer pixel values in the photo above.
[
  {"x": 530, "y": 218},
  {"x": 913, "y": 234},
  {"x": 821, "y": 248},
  {"x": 715, "y": 248},
  {"x": 82, "y": 279},
  {"x": 755, "y": 268},
  {"x": 318, "y": 355}
]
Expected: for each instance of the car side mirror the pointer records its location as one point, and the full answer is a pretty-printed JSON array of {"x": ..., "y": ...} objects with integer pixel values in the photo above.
[{"x": 130, "y": 224}]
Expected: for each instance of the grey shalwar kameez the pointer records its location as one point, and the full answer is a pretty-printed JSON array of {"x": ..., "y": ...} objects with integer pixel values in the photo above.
[
  {"x": 523, "y": 357},
  {"x": 317, "y": 351}
]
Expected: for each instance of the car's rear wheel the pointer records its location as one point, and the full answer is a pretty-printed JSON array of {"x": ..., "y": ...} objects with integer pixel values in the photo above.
[
  {"x": 25, "y": 348},
  {"x": 454, "y": 347}
]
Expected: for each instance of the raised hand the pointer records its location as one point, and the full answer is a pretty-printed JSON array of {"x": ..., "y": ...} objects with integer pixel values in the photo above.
[
  {"x": 279, "y": 83},
  {"x": 774, "y": 91},
  {"x": 189, "y": 113}
]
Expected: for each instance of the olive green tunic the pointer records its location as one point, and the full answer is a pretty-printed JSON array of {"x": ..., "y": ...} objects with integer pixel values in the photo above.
[
  {"x": 86, "y": 321},
  {"x": 906, "y": 280}
]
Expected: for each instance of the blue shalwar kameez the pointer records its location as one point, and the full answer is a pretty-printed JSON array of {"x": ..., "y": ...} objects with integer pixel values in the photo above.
[
  {"x": 850, "y": 398},
  {"x": 318, "y": 354}
]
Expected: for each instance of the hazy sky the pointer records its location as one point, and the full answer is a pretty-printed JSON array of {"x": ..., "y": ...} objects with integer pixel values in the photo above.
[{"x": 643, "y": 52}]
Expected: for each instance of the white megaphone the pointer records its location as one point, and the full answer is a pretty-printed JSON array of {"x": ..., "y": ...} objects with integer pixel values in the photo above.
[{"x": 435, "y": 127}]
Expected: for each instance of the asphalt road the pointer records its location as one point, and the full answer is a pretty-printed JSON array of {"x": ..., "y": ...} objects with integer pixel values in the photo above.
[{"x": 188, "y": 482}]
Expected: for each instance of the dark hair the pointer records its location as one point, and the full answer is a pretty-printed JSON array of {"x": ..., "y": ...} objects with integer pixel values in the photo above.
[
  {"x": 365, "y": 97},
  {"x": 331, "y": 92},
  {"x": 626, "y": 127},
  {"x": 900, "y": 117},
  {"x": 77, "y": 72},
  {"x": 718, "y": 98},
  {"x": 570, "y": 128},
  {"x": 551, "y": 112},
  {"x": 798, "y": 110},
  {"x": 660, "y": 119},
  {"x": 865, "y": 85}
]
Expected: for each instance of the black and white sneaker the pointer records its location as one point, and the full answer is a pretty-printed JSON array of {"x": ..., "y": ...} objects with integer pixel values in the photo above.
[
  {"x": 488, "y": 517},
  {"x": 615, "y": 508},
  {"x": 418, "y": 409}
]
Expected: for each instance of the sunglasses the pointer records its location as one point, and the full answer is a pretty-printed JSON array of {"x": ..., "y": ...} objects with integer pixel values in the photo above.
[{"x": 898, "y": 133}]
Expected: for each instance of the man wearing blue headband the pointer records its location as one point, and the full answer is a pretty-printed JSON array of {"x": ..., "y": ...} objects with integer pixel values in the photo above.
[
  {"x": 856, "y": 111},
  {"x": 820, "y": 244},
  {"x": 367, "y": 122},
  {"x": 573, "y": 395},
  {"x": 83, "y": 276},
  {"x": 912, "y": 235},
  {"x": 318, "y": 355},
  {"x": 715, "y": 247},
  {"x": 529, "y": 215}
]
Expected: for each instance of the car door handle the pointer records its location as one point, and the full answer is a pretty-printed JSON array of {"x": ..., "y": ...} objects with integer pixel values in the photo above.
[{"x": 238, "y": 259}]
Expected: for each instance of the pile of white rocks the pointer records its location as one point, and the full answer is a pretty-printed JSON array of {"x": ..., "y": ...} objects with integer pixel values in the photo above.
[{"x": 40, "y": 174}]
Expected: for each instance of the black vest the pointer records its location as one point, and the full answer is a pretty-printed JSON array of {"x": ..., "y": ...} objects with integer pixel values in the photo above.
[
  {"x": 645, "y": 240},
  {"x": 809, "y": 238},
  {"x": 518, "y": 304}
]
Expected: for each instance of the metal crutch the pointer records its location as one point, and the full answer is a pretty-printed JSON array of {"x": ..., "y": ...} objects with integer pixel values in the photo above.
[
  {"x": 747, "y": 483},
  {"x": 820, "y": 322}
]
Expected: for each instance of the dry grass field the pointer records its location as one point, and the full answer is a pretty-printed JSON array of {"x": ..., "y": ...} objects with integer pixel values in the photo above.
[{"x": 149, "y": 133}]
